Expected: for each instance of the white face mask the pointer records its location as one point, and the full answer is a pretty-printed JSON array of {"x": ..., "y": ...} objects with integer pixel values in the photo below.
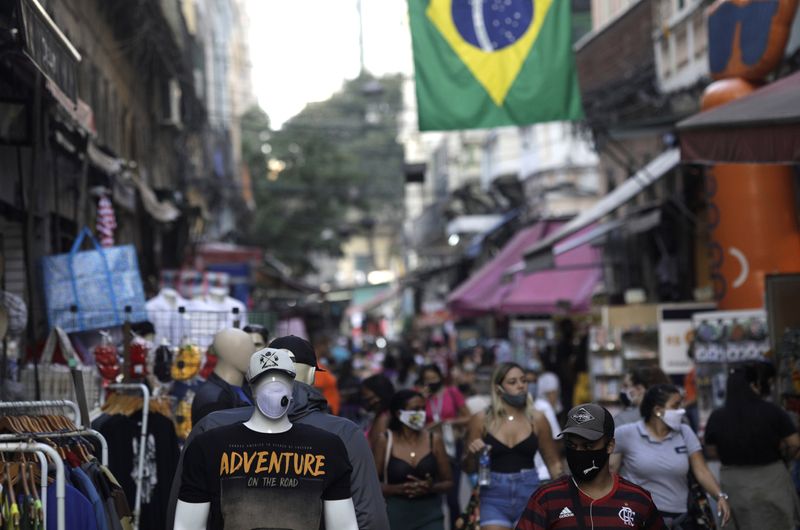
[
  {"x": 674, "y": 418},
  {"x": 414, "y": 419},
  {"x": 273, "y": 399}
]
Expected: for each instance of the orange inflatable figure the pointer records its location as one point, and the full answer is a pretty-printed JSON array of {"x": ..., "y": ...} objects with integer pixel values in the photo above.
[{"x": 753, "y": 221}]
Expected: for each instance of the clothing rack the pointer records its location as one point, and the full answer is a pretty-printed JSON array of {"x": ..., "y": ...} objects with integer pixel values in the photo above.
[
  {"x": 58, "y": 403},
  {"x": 43, "y": 449},
  {"x": 62, "y": 434},
  {"x": 142, "y": 442}
]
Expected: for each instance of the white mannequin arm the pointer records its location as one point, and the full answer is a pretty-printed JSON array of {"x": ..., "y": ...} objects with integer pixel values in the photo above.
[
  {"x": 192, "y": 515},
  {"x": 339, "y": 514}
]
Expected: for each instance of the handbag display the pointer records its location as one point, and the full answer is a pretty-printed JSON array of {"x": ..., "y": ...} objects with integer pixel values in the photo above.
[{"x": 55, "y": 380}]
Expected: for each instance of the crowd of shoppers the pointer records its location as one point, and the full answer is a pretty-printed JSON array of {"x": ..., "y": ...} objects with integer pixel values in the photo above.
[{"x": 432, "y": 424}]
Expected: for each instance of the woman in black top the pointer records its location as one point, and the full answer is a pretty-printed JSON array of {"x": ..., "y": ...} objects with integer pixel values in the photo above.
[
  {"x": 515, "y": 431},
  {"x": 413, "y": 466},
  {"x": 753, "y": 438}
]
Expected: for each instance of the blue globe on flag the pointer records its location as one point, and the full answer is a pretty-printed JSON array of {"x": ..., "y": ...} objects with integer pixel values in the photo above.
[{"x": 492, "y": 25}]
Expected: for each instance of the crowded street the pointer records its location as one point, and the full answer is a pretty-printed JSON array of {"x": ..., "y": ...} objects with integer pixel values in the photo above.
[{"x": 399, "y": 264}]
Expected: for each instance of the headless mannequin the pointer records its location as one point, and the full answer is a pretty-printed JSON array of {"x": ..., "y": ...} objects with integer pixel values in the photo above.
[
  {"x": 338, "y": 514},
  {"x": 170, "y": 296},
  {"x": 233, "y": 348},
  {"x": 217, "y": 295}
]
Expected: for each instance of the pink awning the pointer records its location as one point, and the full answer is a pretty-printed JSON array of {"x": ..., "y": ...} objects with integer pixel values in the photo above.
[
  {"x": 487, "y": 291},
  {"x": 483, "y": 291},
  {"x": 570, "y": 284}
]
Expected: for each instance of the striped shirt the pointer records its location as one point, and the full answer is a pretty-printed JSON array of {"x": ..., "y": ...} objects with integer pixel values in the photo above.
[{"x": 626, "y": 506}]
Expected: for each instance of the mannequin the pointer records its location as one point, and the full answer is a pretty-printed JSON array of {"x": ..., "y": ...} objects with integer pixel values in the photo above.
[
  {"x": 162, "y": 311},
  {"x": 266, "y": 471},
  {"x": 232, "y": 312},
  {"x": 223, "y": 389}
]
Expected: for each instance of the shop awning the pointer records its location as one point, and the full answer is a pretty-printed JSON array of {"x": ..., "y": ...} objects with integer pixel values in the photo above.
[
  {"x": 493, "y": 290},
  {"x": 540, "y": 256},
  {"x": 763, "y": 127},
  {"x": 569, "y": 285},
  {"x": 484, "y": 290}
]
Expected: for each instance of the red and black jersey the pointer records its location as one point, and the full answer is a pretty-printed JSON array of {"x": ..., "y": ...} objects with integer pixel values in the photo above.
[{"x": 626, "y": 506}]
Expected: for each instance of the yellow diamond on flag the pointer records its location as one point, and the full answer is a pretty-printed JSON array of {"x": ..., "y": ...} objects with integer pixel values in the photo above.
[{"x": 493, "y": 38}]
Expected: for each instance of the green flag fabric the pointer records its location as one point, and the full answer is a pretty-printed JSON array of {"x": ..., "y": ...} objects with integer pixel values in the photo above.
[{"x": 489, "y": 63}]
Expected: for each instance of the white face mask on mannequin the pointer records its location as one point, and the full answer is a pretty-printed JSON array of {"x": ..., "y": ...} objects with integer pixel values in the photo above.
[
  {"x": 274, "y": 398},
  {"x": 673, "y": 418}
]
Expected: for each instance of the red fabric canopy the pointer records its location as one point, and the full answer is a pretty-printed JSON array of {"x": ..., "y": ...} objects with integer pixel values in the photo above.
[{"x": 487, "y": 291}]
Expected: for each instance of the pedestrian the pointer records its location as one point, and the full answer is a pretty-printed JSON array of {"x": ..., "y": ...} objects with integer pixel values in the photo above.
[
  {"x": 376, "y": 395},
  {"x": 543, "y": 406},
  {"x": 634, "y": 385},
  {"x": 753, "y": 438},
  {"x": 658, "y": 452},
  {"x": 592, "y": 497},
  {"x": 515, "y": 432},
  {"x": 412, "y": 466},
  {"x": 548, "y": 388},
  {"x": 446, "y": 413}
]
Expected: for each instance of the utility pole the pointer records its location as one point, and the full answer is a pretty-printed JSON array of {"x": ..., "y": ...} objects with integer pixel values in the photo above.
[{"x": 360, "y": 36}]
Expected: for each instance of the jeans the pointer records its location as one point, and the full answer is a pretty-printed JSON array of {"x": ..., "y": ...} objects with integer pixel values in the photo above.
[{"x": 504, "y": 500}]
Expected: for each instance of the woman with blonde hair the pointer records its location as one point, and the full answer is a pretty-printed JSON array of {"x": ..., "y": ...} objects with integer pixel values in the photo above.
[{"x": 514, "y": 431}]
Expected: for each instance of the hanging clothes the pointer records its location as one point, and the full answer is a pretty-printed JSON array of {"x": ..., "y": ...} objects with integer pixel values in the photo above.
[
  {"x": 106, "y": 221},
  {"x": 122, "y": 432}
]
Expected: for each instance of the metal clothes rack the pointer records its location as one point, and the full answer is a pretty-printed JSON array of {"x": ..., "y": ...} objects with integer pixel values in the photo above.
[
  {"x": 58, "y": 403},
  {"x": 62, "y": 434},
  {"x": 142, "y": 442},
  {"x": 43, "y": 449}
]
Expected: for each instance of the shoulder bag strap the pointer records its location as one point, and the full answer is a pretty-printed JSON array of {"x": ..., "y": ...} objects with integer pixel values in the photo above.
[
  {"x": 388, "y": 456},
  {"x": 577, "y": 506}
]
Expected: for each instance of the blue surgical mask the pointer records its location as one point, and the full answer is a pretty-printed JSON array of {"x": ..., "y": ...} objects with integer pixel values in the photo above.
[{"x": 532, "y": 388}]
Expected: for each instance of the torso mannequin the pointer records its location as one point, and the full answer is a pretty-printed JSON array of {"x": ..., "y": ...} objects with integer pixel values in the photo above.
[
  {"x": 266, "y": 472},
  {"x": 223, "y": 389}
]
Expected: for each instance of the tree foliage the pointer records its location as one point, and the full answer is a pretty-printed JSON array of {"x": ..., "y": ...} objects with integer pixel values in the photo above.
[{"x": 333, "y": 170}]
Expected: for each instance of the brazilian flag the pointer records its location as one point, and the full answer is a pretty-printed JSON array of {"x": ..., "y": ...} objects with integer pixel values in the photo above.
[{"x": 488, "y": 63}]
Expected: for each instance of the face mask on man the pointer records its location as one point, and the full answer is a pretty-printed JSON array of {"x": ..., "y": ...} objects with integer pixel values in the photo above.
[
  {"x": 532, "y": 389},
  {"x": 674, "y": 418},
  {"x": 585, "y": 465},
  {"x": 273, "y": 399},
  {"x": 413, "y": 419}
]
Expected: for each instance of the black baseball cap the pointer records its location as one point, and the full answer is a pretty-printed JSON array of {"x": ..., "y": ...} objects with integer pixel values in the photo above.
[
  {"x": 302, "y": 349},
  {"x": 589, "y": 421}
]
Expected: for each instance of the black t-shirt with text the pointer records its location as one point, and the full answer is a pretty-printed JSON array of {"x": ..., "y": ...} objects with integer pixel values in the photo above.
[
  {"x": 752, "y": 439},
  {"x": 256, "y": 480}
]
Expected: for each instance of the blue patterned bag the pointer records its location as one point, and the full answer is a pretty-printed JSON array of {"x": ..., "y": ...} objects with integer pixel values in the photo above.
[{"x": 90, "y": 289}]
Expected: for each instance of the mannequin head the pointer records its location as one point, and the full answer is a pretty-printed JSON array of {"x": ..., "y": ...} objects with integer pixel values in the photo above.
[
  {"x": 271, "y": 373},
  {"x": 234, "y": 348},
  {"x": 259, "y": 334},
  {"x": 304, "y": 357}
]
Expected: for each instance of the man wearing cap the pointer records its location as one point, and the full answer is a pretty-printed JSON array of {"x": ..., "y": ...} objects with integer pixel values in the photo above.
[
  {"x": 309, "y": 407},
  {"x": 592, "y": 497}
]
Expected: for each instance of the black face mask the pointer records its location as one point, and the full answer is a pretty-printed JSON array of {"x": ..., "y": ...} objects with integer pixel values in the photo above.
[
  {"x": 434, "y": 387},
  {"x": 624, "y": 399},
  {"x": 516, "y": 401},
  {"x": 585, "y": 465}
]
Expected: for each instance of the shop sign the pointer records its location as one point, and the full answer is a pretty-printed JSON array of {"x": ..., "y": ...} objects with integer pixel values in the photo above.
[
  {"x": 675, "y": 333},
  {"x": 49, "y": 48}
]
